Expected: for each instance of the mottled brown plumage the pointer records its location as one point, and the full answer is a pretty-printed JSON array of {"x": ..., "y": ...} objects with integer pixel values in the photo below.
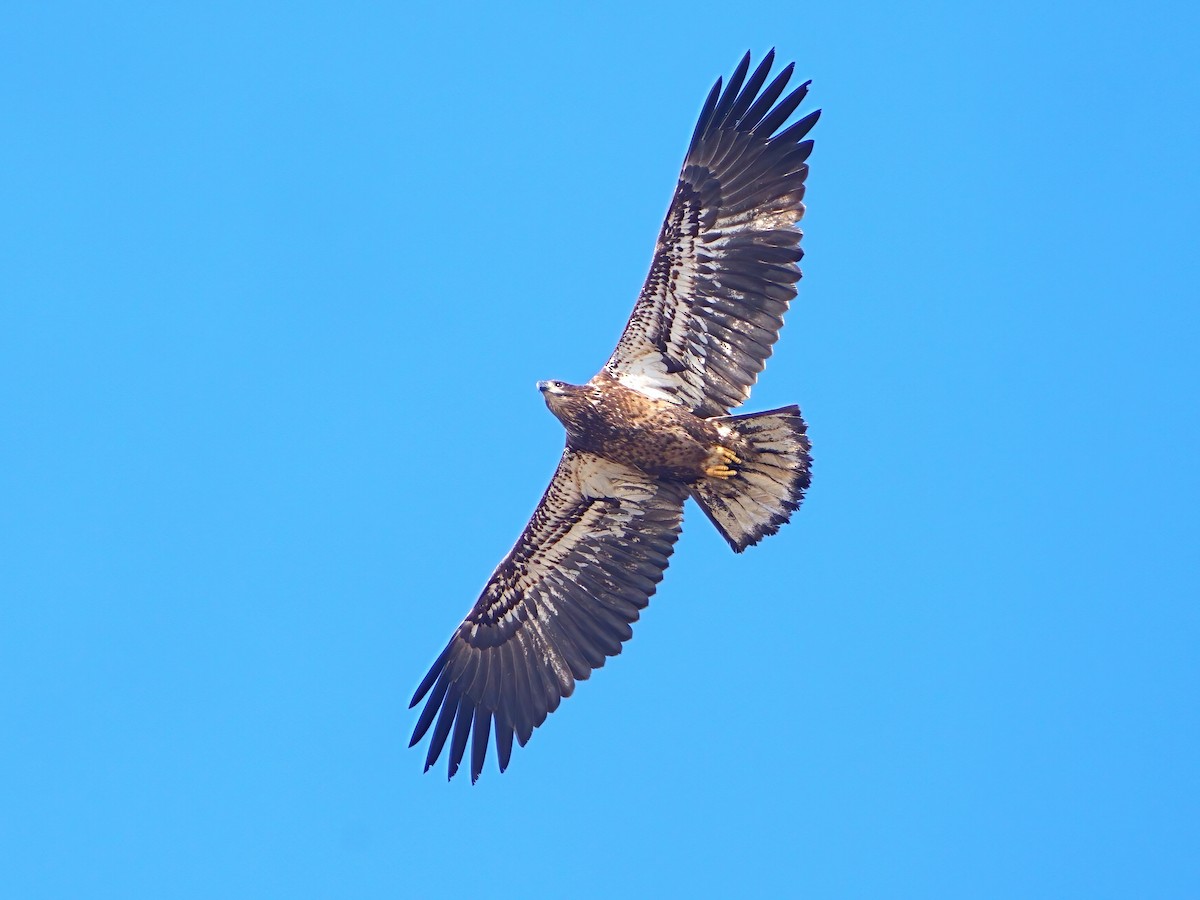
[
  {"x": 618, "y": 423},
  {"x": 649, "y": 430}
]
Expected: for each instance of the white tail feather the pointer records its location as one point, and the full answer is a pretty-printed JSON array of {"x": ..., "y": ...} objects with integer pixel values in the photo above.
[{"x": 771, "y": 478}]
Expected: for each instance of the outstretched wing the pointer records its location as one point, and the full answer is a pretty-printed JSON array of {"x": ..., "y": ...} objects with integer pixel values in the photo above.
[
  {"x": 725, "y": 267},
  {"x": 555, "y": 608}
]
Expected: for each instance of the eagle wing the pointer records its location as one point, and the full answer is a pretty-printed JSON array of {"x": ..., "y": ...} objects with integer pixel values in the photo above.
[
  {"x": 726, "y": 263},
  {"x": 559, "y": 604}
]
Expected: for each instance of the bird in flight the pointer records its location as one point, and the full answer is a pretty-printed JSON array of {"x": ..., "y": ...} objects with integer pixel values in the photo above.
[{"x": 650, "y": 429}]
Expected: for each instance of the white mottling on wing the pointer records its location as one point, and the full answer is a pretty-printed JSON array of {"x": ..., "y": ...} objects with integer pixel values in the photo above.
[{"x": 648, "y": 376}]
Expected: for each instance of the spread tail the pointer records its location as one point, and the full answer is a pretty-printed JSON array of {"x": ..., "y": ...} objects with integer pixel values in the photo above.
[{"x": 772, "y": 475}]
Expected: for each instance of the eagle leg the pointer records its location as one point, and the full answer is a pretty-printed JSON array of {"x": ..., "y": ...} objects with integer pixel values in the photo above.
[
  {"x": 725, "y": 454},
  {"x": 717, "y": 463}
]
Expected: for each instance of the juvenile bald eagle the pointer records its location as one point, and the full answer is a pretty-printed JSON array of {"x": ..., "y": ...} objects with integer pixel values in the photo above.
[{"x": 648, "y": 431}]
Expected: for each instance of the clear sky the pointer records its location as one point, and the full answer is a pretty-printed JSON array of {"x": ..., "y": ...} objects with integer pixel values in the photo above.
[{"x": 276, "y": 282}]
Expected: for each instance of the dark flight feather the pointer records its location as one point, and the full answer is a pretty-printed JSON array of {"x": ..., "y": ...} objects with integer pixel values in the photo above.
[
  {"x": 740, "y": 183},
  {"x": 501, "y": 661}
]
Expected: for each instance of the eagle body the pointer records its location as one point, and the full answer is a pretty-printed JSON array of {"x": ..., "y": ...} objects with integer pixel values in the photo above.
[
  {"x": 652, "y": 428},
  {"x": 623, "y": 425}
]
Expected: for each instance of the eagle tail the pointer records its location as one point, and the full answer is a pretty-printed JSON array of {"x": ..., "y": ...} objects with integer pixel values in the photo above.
[{"x": 772, "y": 474}]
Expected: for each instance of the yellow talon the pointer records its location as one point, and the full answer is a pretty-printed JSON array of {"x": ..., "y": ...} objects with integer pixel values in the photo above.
[
  {"x": 719, "y": 471},
  {"x": 723, "y": 454}
]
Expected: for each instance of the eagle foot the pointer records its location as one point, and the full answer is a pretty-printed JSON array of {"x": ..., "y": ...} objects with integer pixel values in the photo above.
[
  {"x": 719, "y": 471},
  {"x": 726, "y": 455},
  {"x": 717, "y": 465}
]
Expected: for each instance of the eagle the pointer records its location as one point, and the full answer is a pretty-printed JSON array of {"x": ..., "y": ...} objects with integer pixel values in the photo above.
[{"x": 652, "y": 428}]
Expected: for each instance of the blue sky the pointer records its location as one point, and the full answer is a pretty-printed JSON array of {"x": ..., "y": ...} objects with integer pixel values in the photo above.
[{"x": 276, "y": 282}]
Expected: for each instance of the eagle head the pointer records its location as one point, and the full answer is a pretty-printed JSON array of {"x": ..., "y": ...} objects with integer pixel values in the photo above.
[
  {"x": 556, "y": 388},
  {"x": 563, "y": 398}
]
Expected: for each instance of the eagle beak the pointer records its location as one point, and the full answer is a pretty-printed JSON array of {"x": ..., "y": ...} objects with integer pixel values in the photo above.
[{"x": 543, "y": 386}]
